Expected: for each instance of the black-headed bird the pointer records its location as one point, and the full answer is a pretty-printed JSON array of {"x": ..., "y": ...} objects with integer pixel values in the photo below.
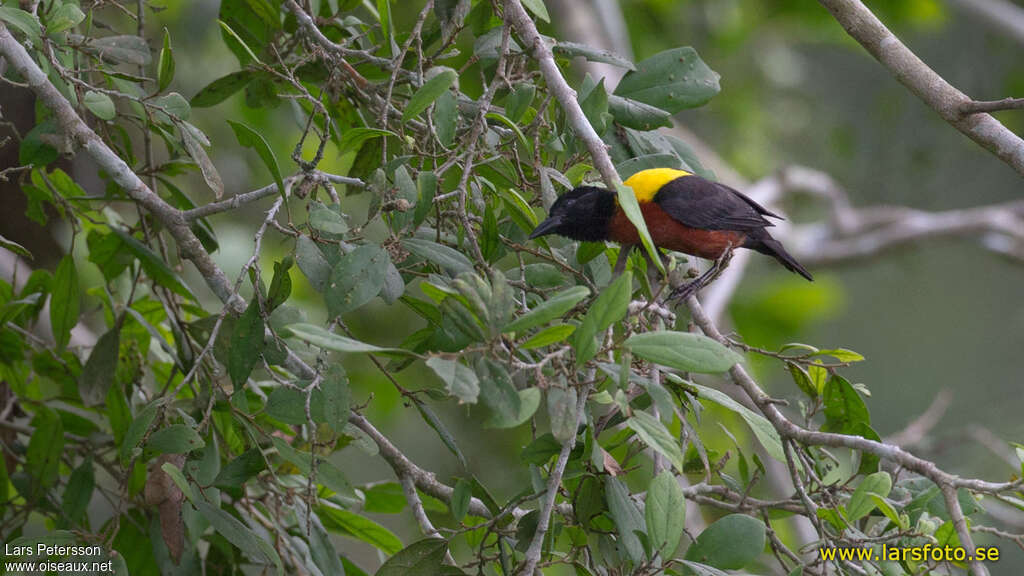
[{"x": 683, "y": 212}]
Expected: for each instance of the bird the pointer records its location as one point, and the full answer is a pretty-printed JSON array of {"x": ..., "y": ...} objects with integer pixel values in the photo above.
[{"x": 683, "y": 212}]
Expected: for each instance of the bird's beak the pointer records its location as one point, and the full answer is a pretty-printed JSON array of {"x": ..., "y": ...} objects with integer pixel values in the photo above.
[{"x": 546, "y": 227}]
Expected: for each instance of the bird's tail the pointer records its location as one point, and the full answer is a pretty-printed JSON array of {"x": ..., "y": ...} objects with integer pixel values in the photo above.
[{"x": 765, "y": 244}]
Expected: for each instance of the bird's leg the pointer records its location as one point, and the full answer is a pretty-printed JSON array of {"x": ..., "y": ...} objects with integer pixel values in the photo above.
[
  {"x": 620, "y": 262},
  {"x": 704, "y": 279}
]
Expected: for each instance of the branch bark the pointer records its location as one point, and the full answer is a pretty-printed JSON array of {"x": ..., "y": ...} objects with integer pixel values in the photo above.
[{"x": 861, "y": 24}]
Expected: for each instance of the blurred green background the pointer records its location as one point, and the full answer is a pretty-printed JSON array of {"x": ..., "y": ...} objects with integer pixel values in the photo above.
[{"x": 795, "y": 90}]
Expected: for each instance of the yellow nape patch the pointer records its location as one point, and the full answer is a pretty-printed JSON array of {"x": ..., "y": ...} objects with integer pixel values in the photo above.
[{"x": 646, "y": 183}]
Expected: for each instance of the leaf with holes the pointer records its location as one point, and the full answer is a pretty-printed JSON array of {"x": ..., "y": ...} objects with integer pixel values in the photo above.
[
  {"x": 672, "y": 80},
  {"x": 356, "y": 279}
]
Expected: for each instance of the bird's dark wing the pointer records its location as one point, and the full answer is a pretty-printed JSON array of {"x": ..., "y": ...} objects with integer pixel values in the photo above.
[{"x": 699, "y": 203}]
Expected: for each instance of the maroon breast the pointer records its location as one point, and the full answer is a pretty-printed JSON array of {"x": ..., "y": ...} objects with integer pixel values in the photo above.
[{"x": 668, "y": 233}]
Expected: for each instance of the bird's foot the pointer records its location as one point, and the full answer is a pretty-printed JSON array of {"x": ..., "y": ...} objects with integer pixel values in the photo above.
[{"x": 690, "y": 288}]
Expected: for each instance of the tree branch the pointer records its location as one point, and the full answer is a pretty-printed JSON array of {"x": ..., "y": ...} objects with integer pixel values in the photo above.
[
  {"x": 404, "y": 467},
  {"x": 560, "y": 89},
  {"x": 860, "y": 23},
  {"x": 554, "y": 481},
  {"x": 976, "y": 106}
]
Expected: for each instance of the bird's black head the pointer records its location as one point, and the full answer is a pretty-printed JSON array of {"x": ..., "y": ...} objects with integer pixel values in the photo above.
[{"x": 583, "y": 214}]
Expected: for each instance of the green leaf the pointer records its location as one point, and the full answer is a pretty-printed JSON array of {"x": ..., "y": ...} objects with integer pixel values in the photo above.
[
  {"x": 174, "y": 104},
  {"x": 312, "y": 263},
  {"x": 246, "y": 344},
  {"x": 428, "y": 93},
  {"x": 562, "y": 412},
  {"x": 760, "y": 425},
  {"x": 280, "y": 284},
  {"x": 443, "y": 433},
  {"x": 319, "y": 337},
  {"x": 78, "y": 493},
  {"x": 671, "y": 80},
  {"x": 422, "y": 558},
  {"x": 165, "y": 72},
  {"x": 630, "y": 206},
  {"x": 592, "y": 54},
  {"x": 594, "y": 103},
  {"x": 289, "y": 405},
  {"x": 328, "y": 474},
  {"x": 635, "y": 114},
  {"x": 609, "y": 307},
  {"x": 861, "y": 504},
  {"x": 238, "y": 534},
  {"x": 221, "y": 89},
  {"x": 548, "y": 336},
  {"x": 497, "y": 391},
  {"x": 529, "y": 401},
  {"x": 194, "y": 141},
  {"x": 67, "y": 16},
  {"x": 154, "y": 266},
  {"x": 628, "y": 520},
  {"x": 655, "y": 435},
  {"x": 64, "y": 302},
  {"x": 453, "y": 261},
  {"x": 384, "y": 498},
  {"x": 446, "y": 118},
  {"x": 42, "y": 458},
  {"x": 14, "y": 247},
  {"x": 360, "y": 527},
  {"x": 844, "y": 408},
  {"x": 519, "y": 100},
  {"x": 353, "y": 138},
  {"x": 239, "y": 470},
  {"x": 336, "y": 395},
  {"x": 730, "y": 543},
  {"x": 206, "y": 468},
  {"x": 120, "y": 49},
  {"x": 24, "y": 22},
  {"x": 553, "y": 307},
  {"x": 237, "y": 45},
  {"x": 665, "y": 514},
  {"x": 178, "y": 478},
  {"x": 683, "y": 351},
  {"x": 175, "y": 439},
  {"x": 461, "y": 496},
  {"x": 325, "y": 556},
  {"x": 357, "y": 278},
  {"x": 97, "y": 374},
  {"x": 538, "y": 9},
  {"x": 802, "y": 379},
  {"x": 890, "y": 512},
  {"x": 137, "y": 430},
  {"x": 326, "y": 220},
  {"x": 459, "y": 380},
  {"x": 250, "y": 138}
]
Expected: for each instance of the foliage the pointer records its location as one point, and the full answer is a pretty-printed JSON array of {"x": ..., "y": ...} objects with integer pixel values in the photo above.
[{"x": 212, "y": 425}]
